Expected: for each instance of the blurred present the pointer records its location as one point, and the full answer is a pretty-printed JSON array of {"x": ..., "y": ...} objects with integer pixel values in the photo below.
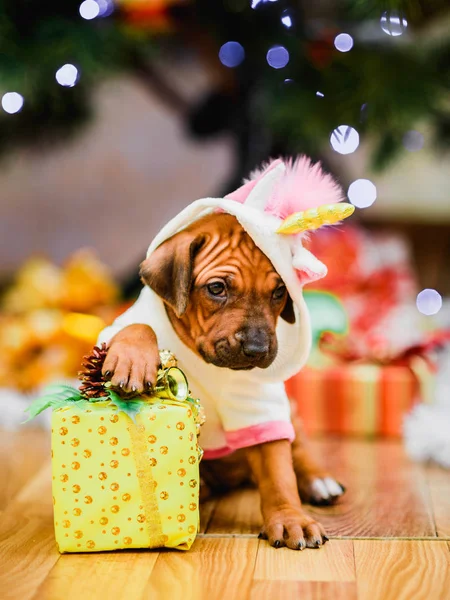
[
  {"x": 344, "y": 391},
  {"x": 51, "y": 316},
  {"x": 83, "y": 284},
  {"x": 373, "y": 276}
]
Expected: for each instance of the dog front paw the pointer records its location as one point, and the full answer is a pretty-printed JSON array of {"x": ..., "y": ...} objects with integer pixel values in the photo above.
[
  {"x": 293, "y": 528},
  {"x": 133, "y": 359}
]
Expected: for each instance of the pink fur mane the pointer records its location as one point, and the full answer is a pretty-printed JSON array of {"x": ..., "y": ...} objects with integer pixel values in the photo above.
[{"x": 304, "y": 185}]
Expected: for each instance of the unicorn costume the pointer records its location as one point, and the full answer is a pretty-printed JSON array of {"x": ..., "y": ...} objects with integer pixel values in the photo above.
[{"x": 244, "y": 408}]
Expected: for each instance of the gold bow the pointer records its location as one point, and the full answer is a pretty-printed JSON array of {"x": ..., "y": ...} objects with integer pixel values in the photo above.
[{"x": 313, "y": 218}]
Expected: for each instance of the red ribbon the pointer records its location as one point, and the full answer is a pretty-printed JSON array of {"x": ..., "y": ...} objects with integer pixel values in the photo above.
[{"x": 343, "y": 349}]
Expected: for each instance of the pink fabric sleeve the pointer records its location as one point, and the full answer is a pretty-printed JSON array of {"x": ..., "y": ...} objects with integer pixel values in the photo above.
[{"x": 252, "y": 436}]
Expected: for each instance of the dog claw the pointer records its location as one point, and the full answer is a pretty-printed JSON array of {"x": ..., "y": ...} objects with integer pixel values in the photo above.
[
  {"x": 122, "y": 384},
  {"x": 277, "y": 544},
  {"x": 107, "y": 373},
  {"x": 318, "y": 543},
  {"x": 325, "y": 539},
  {"x": 134, "y": 388},
  {"x": 301, "y": 545}
]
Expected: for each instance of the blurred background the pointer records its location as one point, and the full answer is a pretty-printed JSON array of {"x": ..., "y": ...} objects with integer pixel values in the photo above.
[{"x": 115, "y": 114}]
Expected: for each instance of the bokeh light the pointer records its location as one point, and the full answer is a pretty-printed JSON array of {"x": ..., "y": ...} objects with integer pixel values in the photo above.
[
  {"x": 67, "y": 75},
  {"x": 12, "y": 102},
  {"x": 277, "y": 57},
  {"x": 89, "y": 9},
  {"x": 429, "y": 302},
  {"x": 320, "y": 95},
  {"x": 106, "y": 7},
  {"x": 231, "y": 54},
  {"x": 256, "y": 3},
  {"x": 362, "y": 193},
  {"x": 343, "y": 42},
  {"x": 286, "y": 19},
  {"x": 344, "y": 139},
  {"x": 392, "y": 23},
  {"x": 413, "y": 141}
]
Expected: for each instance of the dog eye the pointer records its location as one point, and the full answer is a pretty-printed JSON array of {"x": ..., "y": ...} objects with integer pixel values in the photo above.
[
  {"x": 279, "y": 293},
  {"x": 217, "y": 288}
]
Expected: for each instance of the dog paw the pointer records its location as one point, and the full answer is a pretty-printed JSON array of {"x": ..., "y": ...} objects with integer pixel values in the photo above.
[
  {"x": 132, "y": 360},
  {"x": 294, "y": 529},
  {"x": 320, "y": 491}
]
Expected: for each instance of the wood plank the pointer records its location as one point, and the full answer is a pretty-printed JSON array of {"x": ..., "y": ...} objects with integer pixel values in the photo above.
[
  {"x": 104, "y": 575},
  {"x": 387, "y": 494},
  {"x": 237, "y": 513},
  {"x": 402, "y": 569},
  {"x": 27, "y": 543},
  {"x": 306, "y": 590},
  {"x": 439, "y": 485},
  {"x": 22, "y": 454},
  {"x": 212, "y": 570},
  {"x": 333, "y": 562},
  {"x": 207, "y": 510}
]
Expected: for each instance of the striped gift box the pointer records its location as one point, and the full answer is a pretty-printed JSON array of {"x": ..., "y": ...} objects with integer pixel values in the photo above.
[{"x": 359, "y": 399}]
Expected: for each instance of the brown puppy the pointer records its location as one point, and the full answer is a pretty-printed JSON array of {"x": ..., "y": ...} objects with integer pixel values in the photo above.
[{"x": 223, "y": 298}]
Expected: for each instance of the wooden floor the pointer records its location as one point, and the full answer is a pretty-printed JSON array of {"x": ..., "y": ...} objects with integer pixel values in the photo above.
[{"x": 390, "y": 538}]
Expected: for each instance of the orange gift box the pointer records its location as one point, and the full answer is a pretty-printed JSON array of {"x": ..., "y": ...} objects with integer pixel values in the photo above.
[{"x": 359, "y": 399}]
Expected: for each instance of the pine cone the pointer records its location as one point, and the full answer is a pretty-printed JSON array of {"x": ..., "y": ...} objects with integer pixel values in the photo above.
[{"x": 91, "y": 376}]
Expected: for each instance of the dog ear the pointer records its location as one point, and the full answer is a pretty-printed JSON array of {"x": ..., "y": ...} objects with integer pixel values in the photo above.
[
  {"x": 168, "y": 270},
  {"x": 288, "y": 311}
]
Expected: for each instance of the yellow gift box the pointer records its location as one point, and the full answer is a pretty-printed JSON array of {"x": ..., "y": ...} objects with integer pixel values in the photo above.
[{"x": 119, "y": 483}]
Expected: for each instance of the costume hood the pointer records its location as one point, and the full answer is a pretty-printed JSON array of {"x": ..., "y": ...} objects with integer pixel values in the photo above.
[{"x": 261, "y": 205}]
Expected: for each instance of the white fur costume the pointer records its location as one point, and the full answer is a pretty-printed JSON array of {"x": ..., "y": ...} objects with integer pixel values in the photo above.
[{"x": 244, "y": 408}]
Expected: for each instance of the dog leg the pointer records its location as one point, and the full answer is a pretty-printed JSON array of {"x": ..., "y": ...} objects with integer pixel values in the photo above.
[
  {"x": 222, "y": 475},
  {"x": 285, "y": 523},
  {"x": 315, "y": 485},
  {"x": 133, "y": 359}
]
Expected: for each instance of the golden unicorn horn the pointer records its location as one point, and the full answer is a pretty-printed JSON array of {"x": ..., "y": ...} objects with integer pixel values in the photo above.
[{"x": 313, "y": 218}]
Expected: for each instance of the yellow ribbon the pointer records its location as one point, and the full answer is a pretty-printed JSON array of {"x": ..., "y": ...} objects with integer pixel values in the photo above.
[{"x": 147, "y": 485}]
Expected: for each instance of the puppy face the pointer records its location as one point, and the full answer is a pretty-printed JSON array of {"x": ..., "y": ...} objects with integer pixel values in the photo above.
[{"x": 222, "y": 294}]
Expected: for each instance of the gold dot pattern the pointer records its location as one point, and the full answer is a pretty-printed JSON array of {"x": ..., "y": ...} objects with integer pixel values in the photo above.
[{"x": 111, "y": 513}]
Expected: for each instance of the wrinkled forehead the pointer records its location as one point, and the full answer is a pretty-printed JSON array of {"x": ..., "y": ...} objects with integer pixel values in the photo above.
[{"x": 229, "y": 251}]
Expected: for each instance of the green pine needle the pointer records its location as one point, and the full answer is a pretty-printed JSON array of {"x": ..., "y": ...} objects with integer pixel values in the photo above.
[
  {"x": 54, "y": 396},
  {"x": 129, "y": 407}
]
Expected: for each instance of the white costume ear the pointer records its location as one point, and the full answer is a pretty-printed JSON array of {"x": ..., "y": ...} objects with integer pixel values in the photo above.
[
  {"x": 309, "y": 267},
  {"x": 263, "y": 190}
]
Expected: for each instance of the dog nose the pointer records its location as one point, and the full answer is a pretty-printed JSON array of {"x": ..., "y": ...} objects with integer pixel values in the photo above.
[{"x": 255, "y": 343}]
